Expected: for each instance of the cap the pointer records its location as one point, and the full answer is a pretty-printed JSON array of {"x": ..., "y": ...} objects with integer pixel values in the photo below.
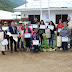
[
  {"x": 5, "y": 22},
  {"x": 20, "y": 22}
]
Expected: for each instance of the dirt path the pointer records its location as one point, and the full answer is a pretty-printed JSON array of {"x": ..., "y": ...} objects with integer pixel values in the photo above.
[{"x": 32, "y": 62}]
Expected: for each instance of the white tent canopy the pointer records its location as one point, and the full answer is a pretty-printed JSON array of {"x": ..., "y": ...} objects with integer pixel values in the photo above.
[{"x": 5, "y": 15}]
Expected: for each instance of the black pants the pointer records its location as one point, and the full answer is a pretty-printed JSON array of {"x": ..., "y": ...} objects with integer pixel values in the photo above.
[
  {"x": 71, "y": 43},
  {"x": 11, "y": 42},
  {"x": 28, "y": 42},
  {"x": 36, "y": 49},
  {"x": 41, "y": 38}
]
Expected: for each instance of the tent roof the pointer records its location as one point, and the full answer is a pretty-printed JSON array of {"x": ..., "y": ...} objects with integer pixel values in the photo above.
[
  {"x": 5, "y": 15},
  {"x": 35, "y": 4}
]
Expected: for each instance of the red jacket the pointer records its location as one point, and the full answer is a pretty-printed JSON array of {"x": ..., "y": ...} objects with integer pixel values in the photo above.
[{"x": 59, "y": 26}]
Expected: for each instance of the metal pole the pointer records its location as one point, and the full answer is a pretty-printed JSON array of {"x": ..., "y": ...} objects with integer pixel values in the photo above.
[
  {"x": 48, "y": 10},
  {"x": 40, "y": 11},
  {"x": 25, "y": 3}
]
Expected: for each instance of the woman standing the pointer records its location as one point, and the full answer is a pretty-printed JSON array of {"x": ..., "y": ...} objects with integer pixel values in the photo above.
[
  {"x": 59, "y": 26},
  {"x": 65, "y": 32},
  {"x": 26, "y": 31},
  {"x": 52, "y": 33},
  {"x": 41, "y": 31},
  {"x": 20, "y": 28}
]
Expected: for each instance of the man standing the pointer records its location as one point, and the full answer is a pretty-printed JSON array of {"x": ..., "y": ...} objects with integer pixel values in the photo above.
[
  {"x": 13, "y": 30},
  {"x": 70, "y": 26}
]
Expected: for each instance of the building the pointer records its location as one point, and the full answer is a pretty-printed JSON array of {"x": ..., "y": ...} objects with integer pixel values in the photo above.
[
  {"x": 46, "y": 10},
  {"x": 9, "y": 16}
]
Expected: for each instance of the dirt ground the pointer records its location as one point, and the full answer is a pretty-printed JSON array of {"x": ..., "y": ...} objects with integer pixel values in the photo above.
[{"x": 36, "y": 62}]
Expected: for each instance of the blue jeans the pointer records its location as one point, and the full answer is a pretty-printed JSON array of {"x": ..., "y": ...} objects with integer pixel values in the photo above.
[
  {"x": 51, "y": 39},
  {"x": 21, "y": 44},
  {"x": 33, "y": 48},
  {"x": 65, "y": 45}
]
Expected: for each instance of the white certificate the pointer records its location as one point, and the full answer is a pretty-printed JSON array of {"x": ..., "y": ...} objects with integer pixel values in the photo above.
[
  {"x": 31, "y": 27},
  {"x": 4, "y": 42},
  {"x": 64, "y": 39},
  {"x": 27, "y": 35},
  {"x": 15, "y": 37},
  {"x": 4, "y": 28},
  {"x": 35, "y": 26},
  {"x": 42, "y": 26},
  {"x": 8, "y": 33},
  {"x": 35, "y": 42},
  {"x": 59, "y": 29},
  {"x": 51, "y": 27}
]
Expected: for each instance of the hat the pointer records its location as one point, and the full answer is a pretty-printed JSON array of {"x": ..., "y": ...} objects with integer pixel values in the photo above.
[
  {"x": 5, "y": 22},
  {"x": 29, "y": 22},
  {"x": 20, "y": 22}
]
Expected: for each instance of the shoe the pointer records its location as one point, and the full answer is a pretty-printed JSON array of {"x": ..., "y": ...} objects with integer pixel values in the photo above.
[
  {"x": 11, "y": 51},
  {"x": 16, "y": 51},
  {"x": 3, "y": 53},
  {"x": 28, "y": 49}
]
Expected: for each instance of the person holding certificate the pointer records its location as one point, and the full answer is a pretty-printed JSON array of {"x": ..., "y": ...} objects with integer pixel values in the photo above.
[
  {"x": 20, "y": 28},
  {"x": 36, "y": 47},
  {"x": 65, "y": 33},
  {"x": 41, "y": 31},
  {"x": 5, "y": 31},
  {"x": 51, "y": 39},
  {"x": 59, "y": 27},
  {"x": 27, "y": 34},
  {"x": 13, "y": 30}
]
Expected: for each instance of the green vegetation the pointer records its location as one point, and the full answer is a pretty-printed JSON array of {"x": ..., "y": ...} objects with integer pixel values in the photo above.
[{"x": 8, "y": 5}]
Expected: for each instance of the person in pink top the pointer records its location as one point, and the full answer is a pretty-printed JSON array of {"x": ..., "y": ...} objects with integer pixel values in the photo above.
[{"x": 26, "y": 31}]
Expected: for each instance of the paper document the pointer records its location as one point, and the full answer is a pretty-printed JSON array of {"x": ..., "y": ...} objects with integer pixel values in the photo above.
[
  {"x": 27, "y": 35},
  {"x": 35, "y": 42},
  {"x": 4, "y": 28},
  {"x": 51, "y": 27},
  {"x": 42, "y": 26},
  {"x": 64, "y": 39},
  {"x": 35, "y": 26},
  {"x": 4, "y": 42},
  {"x": 59, "y": 29}
]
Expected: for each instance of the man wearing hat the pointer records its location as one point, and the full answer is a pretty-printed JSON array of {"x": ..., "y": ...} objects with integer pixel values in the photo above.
[
  {"x": 20, "y": 28},
  {"x": 65, "y": 32}
]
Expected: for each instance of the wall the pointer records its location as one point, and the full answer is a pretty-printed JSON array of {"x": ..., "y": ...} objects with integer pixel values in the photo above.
[{"x": 52, "y": 14}]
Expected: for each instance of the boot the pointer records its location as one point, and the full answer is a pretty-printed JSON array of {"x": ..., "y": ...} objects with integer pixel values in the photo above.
[{"x": 3, "y": 53}]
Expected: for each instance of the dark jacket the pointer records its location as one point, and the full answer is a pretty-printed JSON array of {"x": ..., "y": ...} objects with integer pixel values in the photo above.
[{"x": 13, "y": 31}]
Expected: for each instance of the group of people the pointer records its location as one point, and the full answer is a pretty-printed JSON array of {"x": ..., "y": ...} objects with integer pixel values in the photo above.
[{"x": 63, "y": 29}]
